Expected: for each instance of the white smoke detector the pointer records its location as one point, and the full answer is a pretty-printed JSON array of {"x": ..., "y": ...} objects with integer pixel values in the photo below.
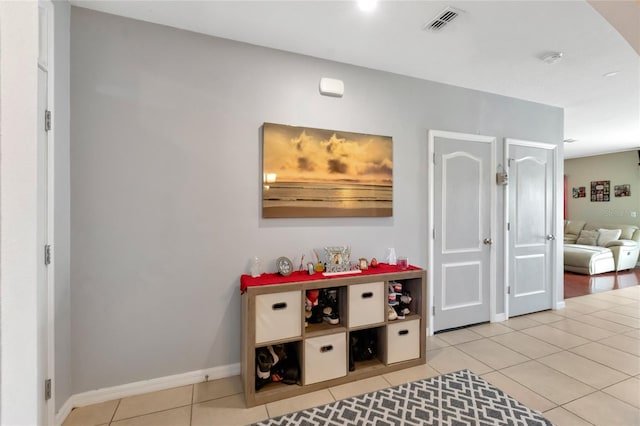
[{"x": 551, "y": 57}]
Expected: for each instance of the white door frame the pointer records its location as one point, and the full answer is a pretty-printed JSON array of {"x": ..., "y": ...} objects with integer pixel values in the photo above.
[
  {"x": 430, "y": 227},
  {"x": 555, "y": 302},
  {"x": 46, "y": 62}
]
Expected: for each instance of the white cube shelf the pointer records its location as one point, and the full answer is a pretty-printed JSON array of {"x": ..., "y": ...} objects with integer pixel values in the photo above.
[
  {"x": 403, "y": 341},
  {"x": 278, "y": 316},
  {"x": 367, "y": 304},
  {"x": 324, "y": 358},
  {"x": 274, "y": 314}
]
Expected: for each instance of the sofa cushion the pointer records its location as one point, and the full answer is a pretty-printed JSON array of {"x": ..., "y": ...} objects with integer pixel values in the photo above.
[
  {"x": 621, "y": 243},
  {"x": 574, "y": 226},
  {"x": 629, "y": 232},
  {"x": 607, "y": 235},
  {"x": 587, "y": 238},
  {"x": 570, "y": 238}
]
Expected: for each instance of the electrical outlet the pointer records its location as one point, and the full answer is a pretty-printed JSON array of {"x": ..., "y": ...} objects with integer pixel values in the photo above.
[{"x": 634, "y": 214}]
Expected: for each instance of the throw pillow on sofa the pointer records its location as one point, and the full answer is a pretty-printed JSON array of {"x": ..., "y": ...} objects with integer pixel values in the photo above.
[
  {"x": 607, "y": 235},
  {"x": 587, "y": 238}
]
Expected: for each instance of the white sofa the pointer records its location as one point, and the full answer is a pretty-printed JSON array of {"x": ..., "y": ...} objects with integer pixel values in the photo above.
[{"x": 585, "y": 255}]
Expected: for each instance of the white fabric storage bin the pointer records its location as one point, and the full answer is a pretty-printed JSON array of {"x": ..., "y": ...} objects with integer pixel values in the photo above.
[
  {"x": 325, "y": 358},
  {"x": 278, "y": 316},
  {"x": 366, "y": 304},
  {"x": 403, "y": 341}
]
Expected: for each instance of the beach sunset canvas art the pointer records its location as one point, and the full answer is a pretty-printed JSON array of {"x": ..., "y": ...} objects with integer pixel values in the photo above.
[{"x": 325, "y": 173}]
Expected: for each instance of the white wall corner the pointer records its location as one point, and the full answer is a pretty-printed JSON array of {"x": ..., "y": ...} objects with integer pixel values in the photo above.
[{"x": 145, "y": 386}]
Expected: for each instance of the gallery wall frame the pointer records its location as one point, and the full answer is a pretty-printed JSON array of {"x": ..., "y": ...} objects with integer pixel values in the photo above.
[
  {"x": 319, "y": 173},
  {"x": 579, "y": 192},
  {"x": 600, "y": 190},
  {"x": 622, "y": 190}
]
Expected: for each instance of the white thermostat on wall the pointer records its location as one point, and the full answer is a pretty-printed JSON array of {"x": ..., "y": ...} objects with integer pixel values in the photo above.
[{"x": 331, "y": 87}]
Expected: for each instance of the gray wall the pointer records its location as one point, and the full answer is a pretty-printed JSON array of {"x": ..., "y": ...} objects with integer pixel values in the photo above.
[
  {"x": 61, "y": 243},
  {"x": 618, "y": 168},
  {"x": 166, "y": 183}
]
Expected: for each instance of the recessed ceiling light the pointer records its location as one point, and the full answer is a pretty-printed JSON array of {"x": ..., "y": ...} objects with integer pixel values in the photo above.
[
  {"x": 551, "y": 57},
  {"x": 611, "y": 74},
  {"x": 367, "y": 5},
  {"x": 570, "y": 140}
]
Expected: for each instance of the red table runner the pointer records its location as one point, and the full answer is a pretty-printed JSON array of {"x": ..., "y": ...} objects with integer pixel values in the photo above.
[{"x": 297, "y": 276}]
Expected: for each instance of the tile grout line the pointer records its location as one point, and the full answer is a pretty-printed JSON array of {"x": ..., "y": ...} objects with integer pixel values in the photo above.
[
  {"x": 150, "y": 413},
  {"x": 556, "y": 405},
  {"x": 193, "y": 391},
  {"x": 598, "y": 362},
  {"x": 591, "y": 393},
  {"x": 115, "y": 411}
]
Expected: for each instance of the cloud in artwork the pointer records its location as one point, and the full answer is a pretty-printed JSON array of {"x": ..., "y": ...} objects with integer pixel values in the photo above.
[
  {"x": 304, "y": 164},
  {"x": 336, "y": 166},
  {"x": 304, "y": 154}
]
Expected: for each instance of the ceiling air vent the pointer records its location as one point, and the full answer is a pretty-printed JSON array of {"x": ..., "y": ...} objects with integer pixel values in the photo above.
[{"x": 442, "y": 19}]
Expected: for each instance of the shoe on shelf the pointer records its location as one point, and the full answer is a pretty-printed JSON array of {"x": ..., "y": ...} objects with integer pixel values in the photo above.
[
  {"x": 391, "y": 313},
  {"x": 264, "y": 362},
  {"x": 330, "y": 316},
  {"x": 278, "y": 352}
]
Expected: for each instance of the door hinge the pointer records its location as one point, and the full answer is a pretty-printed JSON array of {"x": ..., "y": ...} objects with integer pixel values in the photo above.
[
  {"x": 434, "y": 158},
  {"x": 47, "y": 254},
  {"x": 434, "y": 233},
  {"x": 508, "y": 226},
  {"x": 47, "y": 389},
  {"x": 508, "y": 289},
  {"x": 433, "y": 310},
  {"x": 47, "y": 120},
  {"x": 509, "y": 162}
]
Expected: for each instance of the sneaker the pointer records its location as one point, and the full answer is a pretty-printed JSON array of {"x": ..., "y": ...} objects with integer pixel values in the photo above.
[
  {"x": 406, "y": 298},
  {"x": 264, "y": 362},
  {"x": 278, "y": 352},
  {"x": 332, "y": 318},
  {"x": 391, "y": 314}
]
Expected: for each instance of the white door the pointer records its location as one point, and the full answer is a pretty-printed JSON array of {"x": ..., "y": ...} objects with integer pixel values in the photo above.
[
  {"x": 531, "y": 225},
  {"x": 463, "y": 214}
]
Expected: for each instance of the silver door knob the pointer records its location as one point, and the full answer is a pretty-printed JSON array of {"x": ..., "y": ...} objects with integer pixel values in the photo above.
[
  {"x": 488, "y": 241},
  {"x": 551, "y": 237}
]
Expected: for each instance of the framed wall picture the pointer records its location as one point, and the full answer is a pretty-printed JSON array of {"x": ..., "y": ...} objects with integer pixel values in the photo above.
[
  {"x": 325, "y": 173},
  {"x": 600, "y": 190},
  {"x": 579, "y": 192},
  {"x": 622, "y": 190}
]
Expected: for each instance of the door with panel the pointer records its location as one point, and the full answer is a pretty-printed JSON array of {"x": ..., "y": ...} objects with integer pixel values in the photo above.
[
  {"x": 531, "y": 240},
  {"x": 463, "y": 215}
]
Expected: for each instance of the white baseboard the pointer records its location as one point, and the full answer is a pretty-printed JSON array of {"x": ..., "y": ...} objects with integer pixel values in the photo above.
[
  {"x": 500, "y": 317},
  {"x": 144, "y": 386},
  {"x": 64, "y": 411}
]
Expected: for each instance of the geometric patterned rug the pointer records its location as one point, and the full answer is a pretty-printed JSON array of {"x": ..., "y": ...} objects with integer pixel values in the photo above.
[{"x": 455, "y": 399}]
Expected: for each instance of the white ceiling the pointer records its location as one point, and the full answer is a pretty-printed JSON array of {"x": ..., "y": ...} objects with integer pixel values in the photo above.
[{"x": 493, "y": 46}]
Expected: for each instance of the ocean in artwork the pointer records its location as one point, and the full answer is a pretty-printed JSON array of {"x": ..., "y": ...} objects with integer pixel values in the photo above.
[{"x": 318, "y": 199}]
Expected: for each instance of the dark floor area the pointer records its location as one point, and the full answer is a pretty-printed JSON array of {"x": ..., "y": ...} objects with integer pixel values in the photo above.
[{"x": 579, "y": 285}]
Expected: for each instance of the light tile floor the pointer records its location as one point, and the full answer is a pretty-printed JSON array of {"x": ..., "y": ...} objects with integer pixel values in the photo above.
[{"x": 578, "y": 366}]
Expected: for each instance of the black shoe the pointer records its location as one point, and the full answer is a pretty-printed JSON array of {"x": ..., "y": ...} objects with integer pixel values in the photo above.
[{"x": 264, "y": 362}]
